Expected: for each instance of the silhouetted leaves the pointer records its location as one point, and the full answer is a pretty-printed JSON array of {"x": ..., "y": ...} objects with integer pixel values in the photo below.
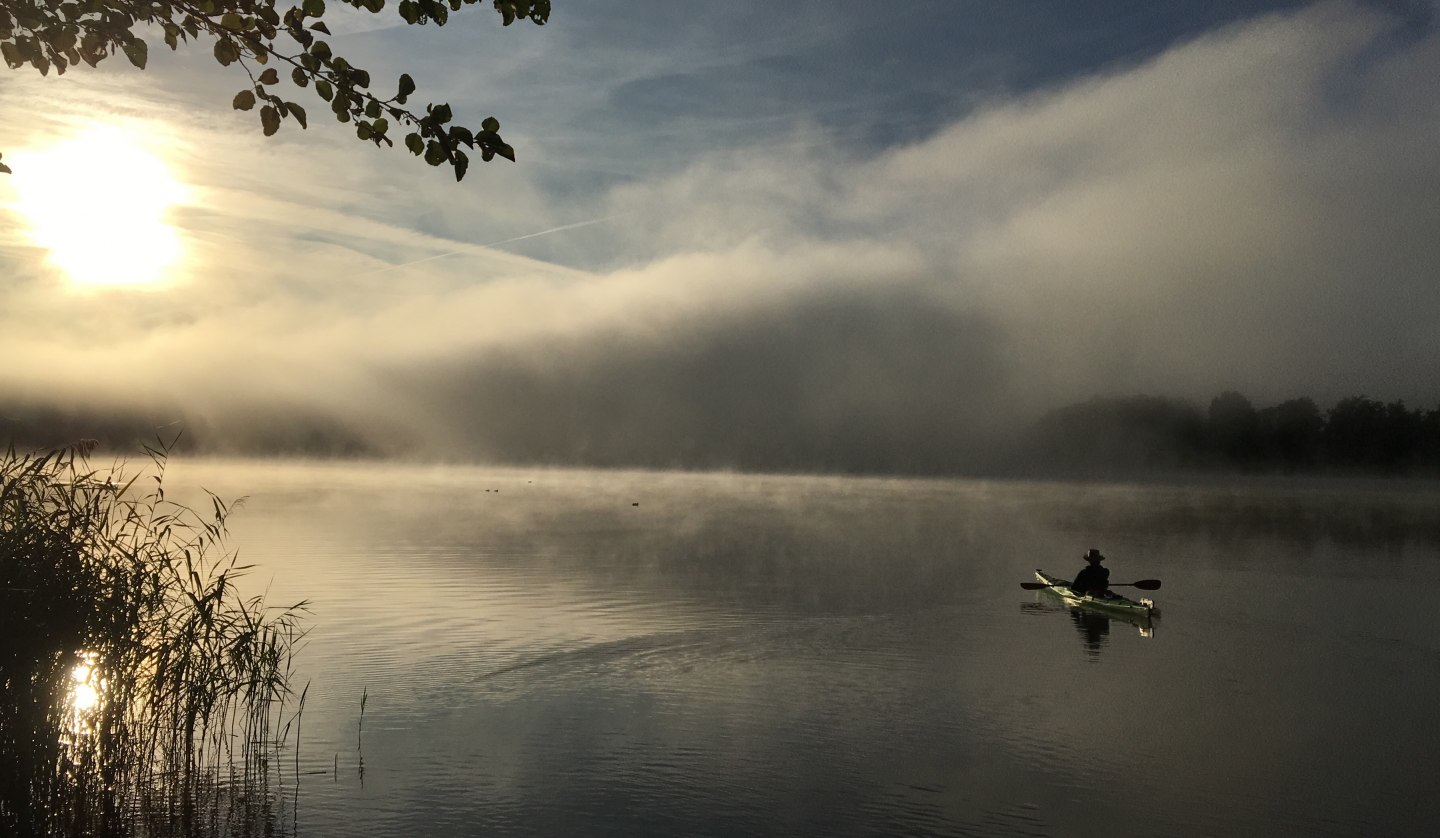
[
  {"x": 512, "y": 10},
  {"x": 62, "y": 34},
  {"x": 137, "y": 52},
  {"x": 434, "y": 153}
]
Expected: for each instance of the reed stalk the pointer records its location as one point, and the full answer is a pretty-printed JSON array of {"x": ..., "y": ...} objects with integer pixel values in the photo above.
[{"x": 141, "y": 693}]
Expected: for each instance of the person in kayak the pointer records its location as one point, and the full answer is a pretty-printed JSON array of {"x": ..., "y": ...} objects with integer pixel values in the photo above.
[{"x": 1092, "y": 579}]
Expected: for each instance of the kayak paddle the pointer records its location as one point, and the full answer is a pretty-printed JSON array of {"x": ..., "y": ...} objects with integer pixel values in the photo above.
[{"x": 1143, "y": 584}]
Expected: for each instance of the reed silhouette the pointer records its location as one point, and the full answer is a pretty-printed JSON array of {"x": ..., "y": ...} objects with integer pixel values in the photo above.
[{"x": 140, "y": 692}]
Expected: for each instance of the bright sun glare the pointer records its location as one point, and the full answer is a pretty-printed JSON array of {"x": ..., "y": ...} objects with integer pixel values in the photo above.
[
  {"x": 98, "y": 203},
  {"x": 83, "y": 695}
]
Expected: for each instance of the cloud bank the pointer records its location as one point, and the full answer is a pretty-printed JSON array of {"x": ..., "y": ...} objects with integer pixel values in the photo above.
[{"x": 1252, "y": 209}]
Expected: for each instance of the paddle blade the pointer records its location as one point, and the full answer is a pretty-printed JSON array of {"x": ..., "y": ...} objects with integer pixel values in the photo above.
[
  {"x": 1147, "y": 584},
  {"x": 1035, "y": 586}
]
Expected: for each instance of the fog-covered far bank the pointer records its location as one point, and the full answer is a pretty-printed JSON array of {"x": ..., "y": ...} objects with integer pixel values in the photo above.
[
  {"x": 126, "y": 429},
  {"x": 1357, "y": 435},
  {"x": 567, "y": 422}
]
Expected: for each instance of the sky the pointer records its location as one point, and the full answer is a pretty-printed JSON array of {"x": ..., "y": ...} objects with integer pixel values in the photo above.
[{"x": 798, "y": 235}]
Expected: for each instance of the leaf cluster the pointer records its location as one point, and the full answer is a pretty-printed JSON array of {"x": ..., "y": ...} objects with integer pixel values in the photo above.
[{"x": 269, "y": 42}]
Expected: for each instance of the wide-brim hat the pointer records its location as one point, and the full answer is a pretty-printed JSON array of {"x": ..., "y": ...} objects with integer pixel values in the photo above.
[{"x": 1093, "y": 555}]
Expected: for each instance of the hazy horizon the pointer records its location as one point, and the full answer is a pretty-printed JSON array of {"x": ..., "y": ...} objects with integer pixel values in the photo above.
[{"x": 1101, "y": 437}]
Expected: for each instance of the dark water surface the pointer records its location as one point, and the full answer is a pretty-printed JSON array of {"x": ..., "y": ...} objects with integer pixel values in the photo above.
[{"x": 745, "y": 655}]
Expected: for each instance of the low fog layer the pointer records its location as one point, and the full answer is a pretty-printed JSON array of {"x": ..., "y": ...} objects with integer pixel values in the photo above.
[{"x": 1250, "y": 210}]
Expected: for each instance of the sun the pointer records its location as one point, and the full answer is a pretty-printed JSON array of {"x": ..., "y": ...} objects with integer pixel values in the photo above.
[{"x": 98, "y": 203}]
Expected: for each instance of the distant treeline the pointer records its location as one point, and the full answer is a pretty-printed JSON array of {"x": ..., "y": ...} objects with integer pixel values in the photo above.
[
  {"x": 30, "y": 426},
  {"x": 1357, "y": 435}
]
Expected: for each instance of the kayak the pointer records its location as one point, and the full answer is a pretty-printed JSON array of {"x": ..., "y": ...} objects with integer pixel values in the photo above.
[{"x": 1114, "y": 604}]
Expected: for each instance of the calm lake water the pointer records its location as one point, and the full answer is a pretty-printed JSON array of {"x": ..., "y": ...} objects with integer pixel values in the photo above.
[{"x": 740, "y": 655}]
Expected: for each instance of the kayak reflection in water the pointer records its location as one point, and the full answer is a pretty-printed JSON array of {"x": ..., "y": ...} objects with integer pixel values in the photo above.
[
  {"x": 1094, "y": 630},
  {"x": 1093, "y": 579}
]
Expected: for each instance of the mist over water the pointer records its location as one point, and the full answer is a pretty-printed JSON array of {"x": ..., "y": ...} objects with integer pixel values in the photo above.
[{"x": 568, "y": 652}]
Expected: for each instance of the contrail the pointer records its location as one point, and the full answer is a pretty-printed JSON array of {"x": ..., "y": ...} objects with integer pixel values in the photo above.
[
  {"x": 552, "y": 230},
  {"x": 495, "y": 243}
]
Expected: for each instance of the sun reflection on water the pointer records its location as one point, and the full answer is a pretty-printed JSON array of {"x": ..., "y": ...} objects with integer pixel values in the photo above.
[{"x": 85, "y": 696}]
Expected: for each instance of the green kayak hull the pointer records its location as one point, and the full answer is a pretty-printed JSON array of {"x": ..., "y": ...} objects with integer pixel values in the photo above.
[{"x": 1114, "y": 604}]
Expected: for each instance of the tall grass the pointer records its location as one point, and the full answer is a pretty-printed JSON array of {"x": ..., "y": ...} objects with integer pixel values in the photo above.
[{"x": 140, "y": 692}]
